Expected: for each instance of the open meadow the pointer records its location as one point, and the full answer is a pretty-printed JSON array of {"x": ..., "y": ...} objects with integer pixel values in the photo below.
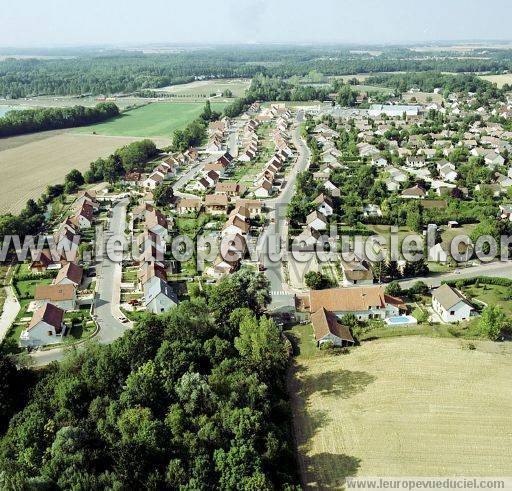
[
  {"x": 28, "y": 163},
  {"x": 158, "y": 119},
  {"x": 406, "y": 406},
  {"x": 203, "y": 89},
  {"x": 499, "y": 80}
]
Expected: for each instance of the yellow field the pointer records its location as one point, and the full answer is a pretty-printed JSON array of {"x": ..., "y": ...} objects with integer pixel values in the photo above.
[
  {"x": 29, "y": 163},
  {"x": 402, "y": 407},
  {"x": 202, "y": 89},
  {"x": 499, "y": 80}
]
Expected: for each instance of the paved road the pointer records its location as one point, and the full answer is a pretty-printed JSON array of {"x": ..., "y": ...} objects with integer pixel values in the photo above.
[
  {"x": 9, "y": 312},
  {"x": 500, "y": 269},
  {"x": 106, "y": 303},
  {"x": 275, "y": 235}
]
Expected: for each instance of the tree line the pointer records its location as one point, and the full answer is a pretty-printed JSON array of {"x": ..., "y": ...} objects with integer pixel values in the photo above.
[
  {"x": 121, "y": 72},
  {"x": 191, "y": 399},
  {"x": 51, "y": 118}
]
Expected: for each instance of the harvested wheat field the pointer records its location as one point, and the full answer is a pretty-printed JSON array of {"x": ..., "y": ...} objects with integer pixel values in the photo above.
[
  {"x": 409, "y": 406},
  {"x": 28, "y": 165}
]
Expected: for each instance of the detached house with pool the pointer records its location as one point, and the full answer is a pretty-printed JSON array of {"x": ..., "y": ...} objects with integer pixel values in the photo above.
[{"x": 366, "y": 302}]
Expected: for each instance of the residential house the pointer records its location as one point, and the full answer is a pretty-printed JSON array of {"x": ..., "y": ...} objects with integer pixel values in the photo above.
[
  {"x": 356, "y": 271},
  {"x": 324, "y": 205},
  {"x": 84, "y": 216},
  {"x": 316, "y": 221},
  {"x": 43, "y": 261},
  {"x": 447, "y": 172},
  {"x": 237, "y": 222},
  {"x": 506, "y": 212},
  {"x": 153, "y": 180},
  {"x": 416, "y": 192},
  {"x": 70, "y": 274},
  {"x": 159, "y": 297},
  {"x": 188, "y": 205},
  {"x": 253, "y": 206},
  {"x": 157, "y": 223},
  {"x": 63, "y": 296},
  {"x": 335, "y": 191},
  {"x": 46, "y": 327},
  {"x": 86, "y": 197},
  {"x": 216, "y": 204},
  {"x": 149, "y": 270},
  {"x": 372, "y": 210},
  {"x": 230, "y": 189},
  {"x": 327, "y": 328},
  {"x": 493, "y": 159},
  {"x": 416, "y": 162},
  {"x": 264, "y": 189},
  {"x": 365, "y": 302},
  {"x": 379, "y": 161},
  {"x": 308, "y": 239},
  {"x": 450, "y": 304}
]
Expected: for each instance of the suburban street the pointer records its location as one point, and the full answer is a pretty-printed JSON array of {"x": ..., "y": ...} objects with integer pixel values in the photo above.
[
  {"x": 107, "y": 298},
  {"x": 275, "y": 236}
]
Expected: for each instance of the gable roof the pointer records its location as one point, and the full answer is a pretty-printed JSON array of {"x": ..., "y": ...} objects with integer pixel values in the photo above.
[
  {"x": 216, "y": 200},
  {"x": 54, "y": 293},
  {"x": 155, "y": 217},
  {"x": 49, "y": 313},
  {"x": 448, "y": 297},
  {"x": 313, "y": 216},
  {"x": 322, "y": 198},
  {"x": 348, "y": 299},
  {"x": 154, "y": 288},
  {"x": 325, "y": 322},
  {"x": 72, "y": 272}
]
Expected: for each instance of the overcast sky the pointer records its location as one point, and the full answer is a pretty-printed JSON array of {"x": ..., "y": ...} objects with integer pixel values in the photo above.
[{"x": 72, "y": 22}]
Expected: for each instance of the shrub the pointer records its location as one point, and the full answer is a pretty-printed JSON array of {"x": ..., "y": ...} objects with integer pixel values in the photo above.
[{"x": 394, "y": 289}]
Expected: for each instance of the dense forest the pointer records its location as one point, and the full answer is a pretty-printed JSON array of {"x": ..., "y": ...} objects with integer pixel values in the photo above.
[
  {"x": 123, "y": 72},
  {"x": 192, "y": 399},
  {"x": 52, "y": 118}
]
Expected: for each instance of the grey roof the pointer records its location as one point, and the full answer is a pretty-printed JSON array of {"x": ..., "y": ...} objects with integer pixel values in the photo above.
[
  {"x": 448, "y": 297},
  {"x": 156, "y": 286}
]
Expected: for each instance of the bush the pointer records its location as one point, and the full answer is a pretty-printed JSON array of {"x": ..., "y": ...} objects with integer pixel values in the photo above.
[
  {"x": 394, "y": 289},
  {"x": 419, "y": 288}
]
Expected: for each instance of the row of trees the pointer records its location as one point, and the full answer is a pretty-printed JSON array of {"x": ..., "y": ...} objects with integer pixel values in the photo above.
[
  {"x": 195, "y": 132},
  {"x": 51, "y": 118},
  {"x": 192, "y": 399}
]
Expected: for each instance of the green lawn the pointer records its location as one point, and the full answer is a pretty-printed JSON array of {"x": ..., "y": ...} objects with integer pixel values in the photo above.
[
  {"x": 303, "y": 341},
  {"x": 27, "y": 287},
  {"x": 491, "y": 295},
  {"x": 156, "y": 119}
]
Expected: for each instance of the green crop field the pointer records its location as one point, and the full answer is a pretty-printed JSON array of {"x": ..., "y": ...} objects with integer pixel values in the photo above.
[{"x": 157, "y": 119}]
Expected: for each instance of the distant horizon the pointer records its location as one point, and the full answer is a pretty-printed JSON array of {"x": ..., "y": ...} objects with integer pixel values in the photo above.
[
  {"x": 31, "y": 23},
  {"x": 184, "y": 44}
]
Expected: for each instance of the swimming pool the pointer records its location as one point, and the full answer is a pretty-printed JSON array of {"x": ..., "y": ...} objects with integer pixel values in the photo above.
[{"x": 401, "y": 320}]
